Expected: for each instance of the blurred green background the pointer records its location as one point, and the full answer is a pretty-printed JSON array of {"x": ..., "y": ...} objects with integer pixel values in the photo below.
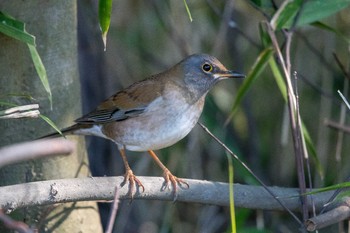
[{"x": 146, "y": 37}]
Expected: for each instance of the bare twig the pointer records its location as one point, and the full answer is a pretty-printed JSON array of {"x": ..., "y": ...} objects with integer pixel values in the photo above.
[
  {"x": 30, "y": 110},
  {"x": 103, "y": 188},
  {"x": 341, "y": 66},
  {"x": 335, "y": 215},
  {"x": 344, "y": 99},
  {"x": 337, "y": 126},
  {"x": 114, "y": 211},
  {"x": 304, "y": 154},
  {"x": 35, "y": 149},
  {"x": 293, "y": 114},
  {"x": 251, "y": 172}
]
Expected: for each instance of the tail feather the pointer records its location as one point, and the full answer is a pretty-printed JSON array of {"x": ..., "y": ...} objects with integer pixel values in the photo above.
[{"x": 66, "y": 131}]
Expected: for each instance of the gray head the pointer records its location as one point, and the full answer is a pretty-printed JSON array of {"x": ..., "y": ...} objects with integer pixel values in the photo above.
[{"x": 202, "y": 72}]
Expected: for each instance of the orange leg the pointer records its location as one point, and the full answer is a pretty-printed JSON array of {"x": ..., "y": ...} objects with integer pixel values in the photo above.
[
  {"x": 129, "y": 176},
  {"x": 168, "y": 176}
]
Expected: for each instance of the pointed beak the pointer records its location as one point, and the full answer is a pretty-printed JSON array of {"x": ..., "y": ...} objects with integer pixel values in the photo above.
[{"x": 229, "y": 74}]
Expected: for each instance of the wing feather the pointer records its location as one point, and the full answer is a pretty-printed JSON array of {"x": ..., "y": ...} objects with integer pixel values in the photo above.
[{"x": 127, "y": 103}]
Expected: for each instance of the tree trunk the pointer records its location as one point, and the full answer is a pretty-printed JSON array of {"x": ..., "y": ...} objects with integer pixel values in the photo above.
[{"x": 55, "y": 27}]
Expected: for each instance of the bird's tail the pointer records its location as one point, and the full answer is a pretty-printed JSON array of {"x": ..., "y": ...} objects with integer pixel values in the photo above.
[{"x": 66, "y": 131}]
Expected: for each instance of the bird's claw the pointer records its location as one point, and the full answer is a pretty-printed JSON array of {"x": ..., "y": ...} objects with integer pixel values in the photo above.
[
  {"x": 170, "y": 178},
  {"x": 133, "y": 181}
]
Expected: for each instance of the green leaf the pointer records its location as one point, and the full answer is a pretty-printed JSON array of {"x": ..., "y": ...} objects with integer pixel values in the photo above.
[
  {"x": 104, "y": 15},
  {"x": 264, "y": 36},
  {"x": 15, "y": 29},
  {"x": 283, "y": 89},
  {"x": 285, "y": 13},
  {"x": 50, "y": 122},
  {"x": 278, "y": 78},
  {"x": 7, "y": 104},
  {"x": 312, "y": 150},
  {"x": 40, "y": 69},
  {"x": 188, "y": 11},
  {"x": 255, "y": 71},
  {"x": 313, "y": 10},
  {"x": 319, "y": 9},
  {"x": 325, "y": 189},
  {"x": 231, "y": 193},
  {"x": 18, "y": 95}
]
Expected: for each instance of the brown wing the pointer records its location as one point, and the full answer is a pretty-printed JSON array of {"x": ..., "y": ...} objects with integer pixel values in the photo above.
[{"x": 127, "y": 103}]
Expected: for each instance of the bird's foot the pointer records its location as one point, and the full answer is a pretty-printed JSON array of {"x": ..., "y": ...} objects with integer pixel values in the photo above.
[
  {"x": 133, "y": 181},
  {"x": 170, "y": 178}
]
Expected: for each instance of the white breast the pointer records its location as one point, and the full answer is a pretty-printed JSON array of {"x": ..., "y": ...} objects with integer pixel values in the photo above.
[{"x": 163, "y": 124}]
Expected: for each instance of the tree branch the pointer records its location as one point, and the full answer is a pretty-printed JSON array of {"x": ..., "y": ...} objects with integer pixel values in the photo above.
[
  {"x": 340, "y": 213},
  {"x": 35, "y": 149},
  {"x": 103, "y": 188}
]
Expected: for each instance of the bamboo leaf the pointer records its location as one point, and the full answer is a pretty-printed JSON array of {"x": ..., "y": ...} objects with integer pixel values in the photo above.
[
  {"x": 278, "y": 78},
  {"x": 50, "y": 122},
  {"x": 7, "y": 104},
  {"x": 15, "y": 29},
  {"x": 264, "y": 36},
  {"x": 285, "y": 13},
  {"x": 40, "y": 69},
  {"x": 315, "y": 10},
  {"x": 325, "y": 189},
  {"x": 104, "y": 15},
  {"x": 231, "y": 193},
  {"x": 312, "y": 150},
  {"x": 188, "y": 11},
  {"x": 258, "y": 67},
  {"x": 283, "y": 89},
  {"x": 310, "y": 11}
]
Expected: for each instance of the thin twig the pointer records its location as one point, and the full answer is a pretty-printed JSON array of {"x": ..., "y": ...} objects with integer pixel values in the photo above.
[
  {"x": 337, "y": 126},
  {"x": 341, "y": 66},
  {"x": 114, "y": 211},
  {"x": 344, "y": 99},
  {"x": 251, "y": 172},
  {"x": 293, "y": 114},
  {"x": 305, "y": 153},
  {"x": 335, "y": 215}
]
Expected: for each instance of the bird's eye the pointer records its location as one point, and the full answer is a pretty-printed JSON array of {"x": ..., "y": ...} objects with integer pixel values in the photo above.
[{"x": 207, "y": 67}]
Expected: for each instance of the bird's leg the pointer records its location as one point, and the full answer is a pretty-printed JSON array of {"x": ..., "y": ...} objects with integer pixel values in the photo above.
[
  {"x": 129, "y": 176},
  {"x": 168, "y": 176}
]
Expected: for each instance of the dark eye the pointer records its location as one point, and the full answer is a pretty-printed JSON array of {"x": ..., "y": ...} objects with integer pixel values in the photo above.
[{"x": 207, "y": 67}]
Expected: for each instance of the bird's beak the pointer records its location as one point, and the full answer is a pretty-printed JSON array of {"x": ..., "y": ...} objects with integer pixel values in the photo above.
[{"x": 228, "y": 74}]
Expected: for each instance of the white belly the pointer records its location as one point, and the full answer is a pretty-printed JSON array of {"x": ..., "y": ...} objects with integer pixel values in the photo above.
[{"x": 159, "y": 127}]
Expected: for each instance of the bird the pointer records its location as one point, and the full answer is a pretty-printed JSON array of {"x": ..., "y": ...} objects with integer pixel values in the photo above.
[{"x": 155, "y": 113}]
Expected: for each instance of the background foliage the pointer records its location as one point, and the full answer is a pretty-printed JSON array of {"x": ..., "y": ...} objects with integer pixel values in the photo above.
[{"x": 146, "y": 37}]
